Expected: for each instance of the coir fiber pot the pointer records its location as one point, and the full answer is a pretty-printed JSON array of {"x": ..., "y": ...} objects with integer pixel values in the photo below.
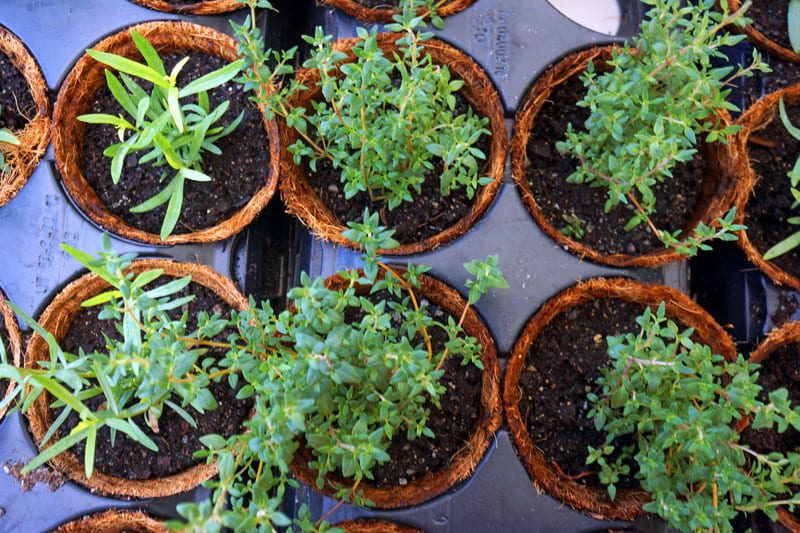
[
  {"x": 463, "y": 463},
  {"x": 374, "y": 526},
  {"x": 364, "y": 13},
  {"x": 778, "y": 338},
  {"x": 756, "y": 117},
  {"x": 75, "y": 98},
  {"x": 203, "y": 7},
  {"x": 301, "y": 199},
  {"x": 114, "y": 522},
  {"x": 14, "y": 346},
  {"x": 762, "y": 41},
  {"x": 35, "y": 136},
  {"x": 594, "y": 500},
  {"x": 716, "y": 196},
  {"x": 57, "y": 319}
]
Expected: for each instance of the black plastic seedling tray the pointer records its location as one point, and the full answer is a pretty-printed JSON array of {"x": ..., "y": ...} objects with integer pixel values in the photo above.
[{"x": 515, "y": 41}]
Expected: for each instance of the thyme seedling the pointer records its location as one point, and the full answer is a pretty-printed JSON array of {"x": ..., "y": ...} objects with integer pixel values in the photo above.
[{"x": 174, "y": 131}]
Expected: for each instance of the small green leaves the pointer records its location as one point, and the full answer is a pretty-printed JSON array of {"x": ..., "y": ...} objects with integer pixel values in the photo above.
[
  {"x": 793, "y": 25},
  {"x": 487, "y": 275},
  {"x": 8, "y": 138}
]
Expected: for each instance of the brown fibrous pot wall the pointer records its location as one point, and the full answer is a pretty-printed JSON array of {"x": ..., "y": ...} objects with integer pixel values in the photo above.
[
  {"x": 301, "y": 199},
  {"x": 374, "y": 526},
  {"x": 463, "y": 464},
  {"x": 114, "y": 522},
  {"x": 204, "y": 7},
  {"x": 374, "y": 14},
  {"x": 14, "y": 351},
  {"x": 35, "y": 136},
  {"x": 57, "y": 319},
  {"x": 758, "y": 116},
  {"x": 592, "y": 500},
  {"x": 762, "y": 41},
  {"x": 77, "y": 94},
  {"x": 718, "y": 185}
]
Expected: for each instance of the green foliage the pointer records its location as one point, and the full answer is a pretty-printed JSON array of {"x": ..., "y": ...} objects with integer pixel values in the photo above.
[
  {"x": 8, "y": 138},
  {"x": 383, "y": 122},
  {"x": 793, "y": 24},
  {"x": 174, "y": 130},
  {"x": 574, "y": 228},
  {"x": 683, "y": 403},
  {"x": 649, "y": 110},
  {"x": 791, "y": 242}
]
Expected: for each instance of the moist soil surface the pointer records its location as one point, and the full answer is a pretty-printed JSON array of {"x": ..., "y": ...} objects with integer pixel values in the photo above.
[
  {"x": 781, "y": 369},
  {"x": 17, "y": 107},
  {"x": 427, "y": 215},
  {"x": 176, "y": 439},
  {"x": 380, "y": 4},
  {"x": 769, "y": 17},
  {"x": 770, "y": 205},
  {"x": 237, "y": 173},
  {"x": 453, "y": 424},
  {"x": 560, "y": 370},
  {"x": 784, "y": 74},
  {"x": 547, "y": 172},
  {"x": 5, "y": 339}
]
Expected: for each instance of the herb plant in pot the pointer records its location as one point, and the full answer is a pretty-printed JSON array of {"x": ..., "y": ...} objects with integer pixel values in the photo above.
[
  {"x": 557, "y": 360},
  {"x": 192, "y": 7},
  {"x": 24, "y": 115},
  {"x": 10, "y": 349},
  {"x": 639, "y": 173},
  {"x": 384, "y": 10},
  {"x": 769, "y": 146},
  {"x": 114, "y": 521},
  {"x": 156, "y": 143},
  {"x": 398, "y": 123},
  {"x": 128, "y": 414}
]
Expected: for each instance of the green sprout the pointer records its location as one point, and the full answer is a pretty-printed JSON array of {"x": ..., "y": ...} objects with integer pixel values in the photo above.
[
  {"x": 793, "y": 25},
  {"x": 8, "y": 138},
  {"x": 174, "y": 132},
  {"x": 575, "y": 226}
]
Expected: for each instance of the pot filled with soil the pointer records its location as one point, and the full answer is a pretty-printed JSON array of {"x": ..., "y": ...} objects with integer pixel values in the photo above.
[
  {"x": 234, "y": 168},
  {"x": 778, "y": 356},
  {"x": 764, "y": 197},
  {"x": 24, "y": 114},
  {"x": 572, "y": 214},
  {"x": 464, "y": 425},
  {"x": 12, "y": 342},
  {"x": 374, "y": 526},
  {"x": 770, "y": 27},
  {"x": 191, "y": 7},
  {"x": 428, "y": 218},
  {"x": 114, "y": 522},
  {"x": 555, "y": 364},
  {"x": 126, "y": 468},
  {"x": 384, "y": 10}
]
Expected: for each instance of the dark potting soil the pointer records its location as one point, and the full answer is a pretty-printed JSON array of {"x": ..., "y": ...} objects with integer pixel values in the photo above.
[
  {"x": 452, "y": 424},
  {"x": 547, "y": 172},
  {"x": 770, "y": 205},
  {"x": 6, "y": 340},
  {"x": 770, "y": 18},
  {"x": 788, "y": 308},
  {"x": 176, "y": 439},
  {"x": 17, "y": 107},
  {"x": 237, "y": 173},
  {"x": 784, "y": 74},
  {"x": 560, "y": 370},
  {"x": 427, "y": 215},
  {"x": 380, "y": 4}
]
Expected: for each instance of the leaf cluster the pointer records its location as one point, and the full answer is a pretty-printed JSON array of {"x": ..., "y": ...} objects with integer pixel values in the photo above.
[
  {"x": 658, "y": 98},
  {"x": 383, "y": 122},
  {"x": 173, "y": 125},
  {"x": 684, "y": 404}
]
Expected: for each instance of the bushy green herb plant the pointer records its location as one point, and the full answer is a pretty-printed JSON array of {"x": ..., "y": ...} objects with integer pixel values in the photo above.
[
  {"x": 683, "y": 404},
  {"x": 344, "y": 371},
  {"x": 649, "y": 110},
  {"x": 173, "y": 130},
  {"x": 793, "y": 241},
  {"x": 383, "y": 120},
  {"x": 8, "y": 138}
]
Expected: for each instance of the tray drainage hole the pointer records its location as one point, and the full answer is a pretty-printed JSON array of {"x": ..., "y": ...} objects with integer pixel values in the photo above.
[
  {"x": 602, "y": 16},
  {"x": 440, "y": 520}
]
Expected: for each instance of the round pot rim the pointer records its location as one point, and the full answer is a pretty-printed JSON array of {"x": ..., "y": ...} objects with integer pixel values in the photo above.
[
  {"x": 371, "y": 525},
  {"x": 57, "y": 318},
  {"x": 74, "y": 97},
  {"x": 15, "y": 342},
  {"x": 200, "y": 7},
  {"x": 722, "y": 157},
  {"x": 788, "y": 333},
  {"x": 756, "y": 117},
  {"x": 35, "y": 136},
  {"x": 112, "y": 520},
  {"x": 301, "y": 199},
  {"x": 464, "y": 463},
  {"x": 762, "y": 41},
  {"x": 374, "y": 14},
  {"x": 593, "y": 500}
]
